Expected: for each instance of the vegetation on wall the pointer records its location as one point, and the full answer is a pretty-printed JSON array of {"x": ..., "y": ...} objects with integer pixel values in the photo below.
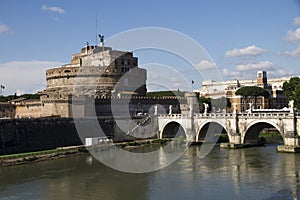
[
  {"x": 15, "y": 96},
  {"x": 165, "y": 93}
]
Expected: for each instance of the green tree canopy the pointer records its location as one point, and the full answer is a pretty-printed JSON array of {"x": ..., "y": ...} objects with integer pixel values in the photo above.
[
  {"x": 291, "y": 89},
  {"x": 254, "y": 91},
  {"x": 221, "y": 103}
]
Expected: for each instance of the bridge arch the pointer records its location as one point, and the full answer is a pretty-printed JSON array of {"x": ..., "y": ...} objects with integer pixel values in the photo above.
[
  {"x": 251, "y": 135},
  {"x": 211, "y": 127},
  {"x": 173, "y": 129}
]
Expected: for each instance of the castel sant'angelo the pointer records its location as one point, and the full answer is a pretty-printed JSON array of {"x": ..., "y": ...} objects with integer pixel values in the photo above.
[{"x": 98, "y": 73}]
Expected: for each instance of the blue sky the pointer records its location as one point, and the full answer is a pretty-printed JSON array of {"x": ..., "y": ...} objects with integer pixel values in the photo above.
[{"x": 240, "y": 36}]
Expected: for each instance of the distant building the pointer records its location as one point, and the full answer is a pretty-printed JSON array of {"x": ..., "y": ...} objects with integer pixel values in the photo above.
[{"x": 214, "y": 90}]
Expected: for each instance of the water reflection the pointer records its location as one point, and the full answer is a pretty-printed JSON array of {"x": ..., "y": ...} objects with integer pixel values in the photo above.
[{"x": 253, "y": 173}]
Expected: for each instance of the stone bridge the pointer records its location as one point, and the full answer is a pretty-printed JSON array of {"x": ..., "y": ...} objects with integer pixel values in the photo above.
[{"x": 241, "y": 128}]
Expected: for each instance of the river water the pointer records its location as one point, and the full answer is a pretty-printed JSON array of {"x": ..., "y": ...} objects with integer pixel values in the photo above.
[{"x": 251, "y": 173}]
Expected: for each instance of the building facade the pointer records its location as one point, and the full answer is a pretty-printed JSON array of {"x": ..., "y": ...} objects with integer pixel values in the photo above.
[{"x": 276, "y": 99}]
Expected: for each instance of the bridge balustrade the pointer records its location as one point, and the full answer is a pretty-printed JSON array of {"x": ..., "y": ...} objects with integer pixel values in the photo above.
[
  {"x": 174, "y": 116},
  {"x": 219, "y": 115}
]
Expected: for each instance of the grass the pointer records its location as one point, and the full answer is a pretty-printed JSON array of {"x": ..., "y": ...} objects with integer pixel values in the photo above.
[
  {"x": 223, "y": 138},
  {"x": 269, "y": 134},
  {"x": 36, "y": 153},
  {"x": 165, "y": 93}
]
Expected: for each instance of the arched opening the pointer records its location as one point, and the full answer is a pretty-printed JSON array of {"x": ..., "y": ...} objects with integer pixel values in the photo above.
[
  {"x": 263, "y": 133},
  {"x": 213, "y": 132},
  {"x": 173, "y": 130}
]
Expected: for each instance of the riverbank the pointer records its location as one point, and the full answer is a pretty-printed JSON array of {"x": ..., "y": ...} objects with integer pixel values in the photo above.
[
  {"x": 61, "y": 152},
  {"x": 29, "y": 157}
]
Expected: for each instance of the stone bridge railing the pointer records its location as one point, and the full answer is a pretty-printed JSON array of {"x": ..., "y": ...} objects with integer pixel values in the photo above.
[
  {"x": 228, "y": 115},
  {"x": 173, "y": 116}
]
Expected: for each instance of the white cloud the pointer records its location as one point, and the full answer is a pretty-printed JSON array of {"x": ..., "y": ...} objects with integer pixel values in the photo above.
[
  {"x": 281, "y": 73},
  {"x": 247, "y": 51},
  {"x": 54, "y": 9},
  {"x": 205, "y": 64},
  {"x": 293, "y": 53},
  {"x": 293, "y": 36},
  {"x": 296, "y": 21},
  {"x": 4, "y": 29},
  {"x": 227, "y": 73},
  {"x": 254, "y": 66},
  {"x": 25, "y": 76}
]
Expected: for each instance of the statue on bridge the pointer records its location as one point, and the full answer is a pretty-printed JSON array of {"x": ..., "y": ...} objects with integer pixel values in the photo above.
[
  {"x": 206, "y": 106},
  {"x": 170, "y": 110},
  {"x": 234, "y": 108},
  {"x": 291, "y": 106}
]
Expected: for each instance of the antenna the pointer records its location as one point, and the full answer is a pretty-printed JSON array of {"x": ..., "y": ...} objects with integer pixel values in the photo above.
[{"x": 96, "y": 29}]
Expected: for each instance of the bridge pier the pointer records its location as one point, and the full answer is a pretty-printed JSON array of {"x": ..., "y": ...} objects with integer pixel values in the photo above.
[
  {"x": 236, "y": 139},
  {"x": 190, "y": 136},
  {"x": 291, "y": 137},
  {"x": 291, "y": 143}
]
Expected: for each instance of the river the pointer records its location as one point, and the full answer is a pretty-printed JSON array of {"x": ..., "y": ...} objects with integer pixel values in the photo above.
[{"x": 251, "y": 173}]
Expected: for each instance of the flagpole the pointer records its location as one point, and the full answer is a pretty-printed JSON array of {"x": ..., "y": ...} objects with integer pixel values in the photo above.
[{"x": 2, "y": 87}]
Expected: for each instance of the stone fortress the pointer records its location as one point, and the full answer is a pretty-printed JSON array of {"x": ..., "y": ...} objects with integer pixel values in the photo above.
[
  {"x": 99, "y": 74},
  {"x": 107, "y": 65}
]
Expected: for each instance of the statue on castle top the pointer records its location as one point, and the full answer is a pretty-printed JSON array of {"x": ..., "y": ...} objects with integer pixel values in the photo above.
[{"x": 101, "y": 38}]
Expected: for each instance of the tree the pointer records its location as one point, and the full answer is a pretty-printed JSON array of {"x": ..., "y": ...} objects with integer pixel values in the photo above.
[
  {"x": 291, "y": 89},
  {"x": 221, "y": 103},
  {"x": 252, "y": 91},
  {"x": 202, "y": 100},
  {"x": 218, "y": 104}
]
